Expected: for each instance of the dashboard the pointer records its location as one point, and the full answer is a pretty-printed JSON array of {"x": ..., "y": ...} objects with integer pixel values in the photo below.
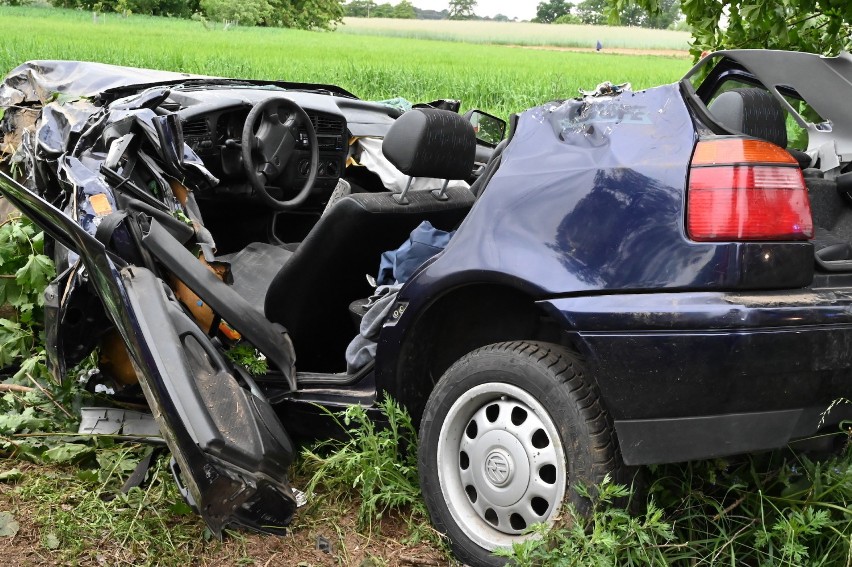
[
  {"x": 213, "y": 118},
  {"x": 215, "y": 138}
]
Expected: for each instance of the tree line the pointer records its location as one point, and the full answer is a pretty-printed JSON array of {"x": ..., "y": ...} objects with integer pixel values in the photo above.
[
  {"x": 405, "y": 10},
  {"x": 456, "y": 10},
  {"x": 592, "y": 12},
  {"x": 598, "y": 13},
  {"x": 304, "y": 14}
]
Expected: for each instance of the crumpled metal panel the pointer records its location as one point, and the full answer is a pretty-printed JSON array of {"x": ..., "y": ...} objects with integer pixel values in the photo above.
[
  {"x": 117, "y": 421},
  {"x": 64, "y": 149},
  {"x": 40, "y": 81},
  {"x": 604, "y": 178},
  {"x": 60, "y": 123}
]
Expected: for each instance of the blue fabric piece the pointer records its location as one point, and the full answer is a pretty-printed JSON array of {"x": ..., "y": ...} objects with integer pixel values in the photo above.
[
  {"x": 424, "y": 242},
  {"x": 362, "y": 349}
]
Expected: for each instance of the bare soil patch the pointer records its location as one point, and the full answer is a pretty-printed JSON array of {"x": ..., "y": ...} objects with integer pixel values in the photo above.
[{"x": 326, "y": 534}]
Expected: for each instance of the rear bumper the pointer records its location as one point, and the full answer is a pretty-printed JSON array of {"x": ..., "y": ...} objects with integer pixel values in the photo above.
[{"x": 699, "y": 375}]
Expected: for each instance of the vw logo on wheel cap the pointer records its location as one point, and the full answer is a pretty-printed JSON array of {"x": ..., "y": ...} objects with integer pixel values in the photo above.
[{"x": 498, "y": 468}]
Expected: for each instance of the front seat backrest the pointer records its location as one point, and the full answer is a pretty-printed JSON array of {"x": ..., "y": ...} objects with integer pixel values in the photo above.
[
  {"x": 312, "y": 291},
  {"x": 428, "y": 142},
  {"x": 752, "y": 111}
]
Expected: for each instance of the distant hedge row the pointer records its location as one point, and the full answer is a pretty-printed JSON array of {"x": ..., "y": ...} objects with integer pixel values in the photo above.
[{"x": 304, "y": 14}]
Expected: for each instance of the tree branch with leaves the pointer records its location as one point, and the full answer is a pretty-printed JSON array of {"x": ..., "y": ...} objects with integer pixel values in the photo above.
[{"x": 817, "y": 26}]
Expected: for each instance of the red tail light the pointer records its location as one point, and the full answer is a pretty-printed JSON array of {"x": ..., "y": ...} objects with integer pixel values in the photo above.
[{"x": 746, "y": 190}]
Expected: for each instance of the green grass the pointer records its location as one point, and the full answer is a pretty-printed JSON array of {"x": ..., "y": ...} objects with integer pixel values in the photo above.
[
  {"x": 515, "y": 33},
  {"x": 379, "y": 462},
  {"x": 495, "y": 78},
  {"x": 80, "y": 509},
  {"x": 765, "y": 509}
]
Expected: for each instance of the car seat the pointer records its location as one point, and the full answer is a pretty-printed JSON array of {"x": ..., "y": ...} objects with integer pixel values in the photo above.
[
  {"x": 309, "y": 290},
  {"x": 752, "y": 111}
]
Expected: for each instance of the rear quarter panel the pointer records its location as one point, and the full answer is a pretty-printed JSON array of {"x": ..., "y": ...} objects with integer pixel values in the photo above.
[{"x": 590, "y": 197}]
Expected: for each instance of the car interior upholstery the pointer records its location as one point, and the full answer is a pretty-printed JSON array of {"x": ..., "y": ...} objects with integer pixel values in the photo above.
[{"x": 327, "y": 271}]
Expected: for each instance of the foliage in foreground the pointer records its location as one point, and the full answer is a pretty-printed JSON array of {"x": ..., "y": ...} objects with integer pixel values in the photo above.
[
  {"x": 80, "y": 508},
  {"x": 610, "y": 536},
  {"x": 377, "y": 460},
  {"x": 35, "y": 411},
  {"x": 770, "y": 509},
  {"x": 24, "y": 272}
]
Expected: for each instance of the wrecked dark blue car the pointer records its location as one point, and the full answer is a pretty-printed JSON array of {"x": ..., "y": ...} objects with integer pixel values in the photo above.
[{"x": 634, "y": 277}]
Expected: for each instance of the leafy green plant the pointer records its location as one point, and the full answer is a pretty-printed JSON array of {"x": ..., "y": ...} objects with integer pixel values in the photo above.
[
  {"x": 25, "y": 268},
  {"x": 34, "y": 409},
  {"x": 24, "y": 272},
  {"x": 379, "y": 460},
  {"x": 609, "y": 535},
  {"x": 818, "y": 26},
  {"x": 769, "y": 509},
  {"x": 38, "y": 422},
  {"x": 248, "y": 357}
]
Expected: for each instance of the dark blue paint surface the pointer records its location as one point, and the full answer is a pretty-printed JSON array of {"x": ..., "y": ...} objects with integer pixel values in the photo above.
[
  {"x": 590, "y": 197},
  {"x": 587, "y": 215},
  {"x": 704, "y": 353}
]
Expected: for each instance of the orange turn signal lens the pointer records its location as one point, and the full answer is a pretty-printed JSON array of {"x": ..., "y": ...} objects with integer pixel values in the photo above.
[
  {"x": 740, "y": 150},
  {"x": 746, "y": 190}
]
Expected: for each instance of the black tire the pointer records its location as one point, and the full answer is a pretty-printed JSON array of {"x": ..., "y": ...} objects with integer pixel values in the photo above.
[{"x": 467, "y": 494}]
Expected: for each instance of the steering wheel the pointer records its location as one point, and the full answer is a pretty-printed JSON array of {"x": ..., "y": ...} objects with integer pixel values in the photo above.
[{"x": 270, "y": 137}]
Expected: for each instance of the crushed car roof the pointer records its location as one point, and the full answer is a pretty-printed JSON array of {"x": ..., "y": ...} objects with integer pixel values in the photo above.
[{"x": 39, "y": 81}]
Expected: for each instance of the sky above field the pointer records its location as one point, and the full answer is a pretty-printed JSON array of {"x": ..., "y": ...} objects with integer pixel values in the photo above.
[{"x": 521, "y": 9}]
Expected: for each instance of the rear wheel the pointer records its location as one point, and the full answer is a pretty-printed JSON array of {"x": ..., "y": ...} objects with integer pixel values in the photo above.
[{"x": 506, "y": 432}]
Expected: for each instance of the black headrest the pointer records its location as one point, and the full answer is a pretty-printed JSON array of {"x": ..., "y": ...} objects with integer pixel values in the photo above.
[
  {"x": 427, "y": 142},
  {"x": 754, "y": 112}
]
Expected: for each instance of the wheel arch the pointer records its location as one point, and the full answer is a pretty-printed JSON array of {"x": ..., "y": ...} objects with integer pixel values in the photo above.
[{"x": 440, "y": 334}]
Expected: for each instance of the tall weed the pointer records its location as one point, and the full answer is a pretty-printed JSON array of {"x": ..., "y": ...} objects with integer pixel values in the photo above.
[
  {"x": 608, "y": 536},
  {"x": 768, "y": 509},
  {"x": 378, "y": 460}
]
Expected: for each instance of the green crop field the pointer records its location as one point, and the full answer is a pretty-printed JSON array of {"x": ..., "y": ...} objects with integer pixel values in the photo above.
[
  {"x": 499, "y": 79},
  {"x": 520, "y": 33}
]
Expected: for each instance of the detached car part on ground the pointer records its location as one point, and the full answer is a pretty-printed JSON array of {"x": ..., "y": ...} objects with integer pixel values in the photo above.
[{"x": 635, "y": 278}]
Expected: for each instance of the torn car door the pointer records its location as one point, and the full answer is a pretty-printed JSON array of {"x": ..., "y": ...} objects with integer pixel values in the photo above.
[{"x": 230, "y": 452}]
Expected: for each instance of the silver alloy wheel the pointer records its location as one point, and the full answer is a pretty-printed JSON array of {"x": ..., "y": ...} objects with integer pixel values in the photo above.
[{"x": 501, "y": 464}]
